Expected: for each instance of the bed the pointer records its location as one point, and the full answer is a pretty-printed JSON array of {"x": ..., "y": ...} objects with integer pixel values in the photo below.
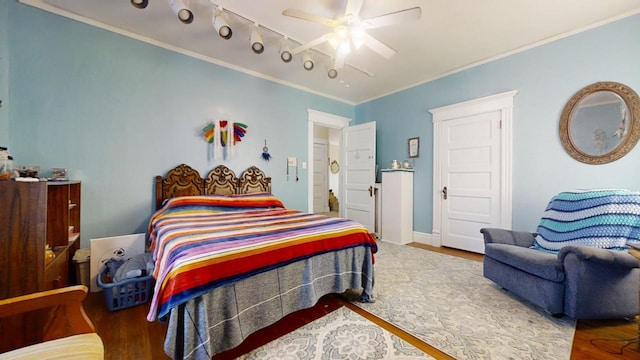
[{"x": 231, "y": 259}]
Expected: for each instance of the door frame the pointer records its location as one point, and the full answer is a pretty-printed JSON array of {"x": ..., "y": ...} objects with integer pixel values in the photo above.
[
  {"x": 502, "y": 102},
  {"x": 315, "y": 117},
  {"x": 325, "y": 143}
]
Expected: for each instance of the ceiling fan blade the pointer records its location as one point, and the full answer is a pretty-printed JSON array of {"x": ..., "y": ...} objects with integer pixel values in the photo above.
[
  {"x": 397, "y": 17},
  {"x": 310, "y": 44},
  {"x": 353, "y": 7},
  {"x": 378, "y": 46},
  {"x": 368, "y": 73},
  {"x": 339, "y": 62},
  {"x": 299, "y": 14}
]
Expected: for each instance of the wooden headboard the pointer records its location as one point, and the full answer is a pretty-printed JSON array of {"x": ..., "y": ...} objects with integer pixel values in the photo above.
[{"x": 183, "y": 180}]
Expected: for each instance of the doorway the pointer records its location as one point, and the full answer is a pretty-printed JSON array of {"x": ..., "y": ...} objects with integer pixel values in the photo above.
[
  {"x": 326, "y": 128},
  {"x": 326, "y": 179}
]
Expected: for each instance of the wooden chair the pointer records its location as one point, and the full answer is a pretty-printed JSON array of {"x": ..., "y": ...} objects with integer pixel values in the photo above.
[{"x": 67, "y": 331}]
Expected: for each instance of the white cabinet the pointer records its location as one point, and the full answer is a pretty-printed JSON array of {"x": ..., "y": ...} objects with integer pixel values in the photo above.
[{"x": 397, "y": 206}]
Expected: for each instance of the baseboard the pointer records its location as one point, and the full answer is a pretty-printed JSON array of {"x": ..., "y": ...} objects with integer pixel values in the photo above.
[{"x": 425, "y": 238}]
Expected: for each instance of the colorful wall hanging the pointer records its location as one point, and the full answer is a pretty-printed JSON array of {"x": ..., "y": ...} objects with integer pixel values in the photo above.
[{"x": 224, "y": 136}]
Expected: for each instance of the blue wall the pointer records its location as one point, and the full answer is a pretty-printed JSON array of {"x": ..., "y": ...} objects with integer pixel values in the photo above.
[
  {"x": 116, "y": 112},
  {"x": 546, "y": 77},
  {"x": 4, "y": 76}
]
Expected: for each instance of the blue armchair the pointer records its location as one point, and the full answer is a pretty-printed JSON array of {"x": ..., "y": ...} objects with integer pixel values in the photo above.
[
  {"x": 576, "y": 263},
  {"x": 579, "y": 281}
]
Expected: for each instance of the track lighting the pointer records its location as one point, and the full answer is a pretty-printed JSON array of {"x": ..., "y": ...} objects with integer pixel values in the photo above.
[
  {"x": 140, "y": 4},
  {"x": 285, "y": 50},
  {"x": 180, "y": 8},
  {"x": 256, "y": 40},
  {"x": 221, "y": 25},
  {"x": 307, "y": 61},
  {"x": 342, "y": 38}
]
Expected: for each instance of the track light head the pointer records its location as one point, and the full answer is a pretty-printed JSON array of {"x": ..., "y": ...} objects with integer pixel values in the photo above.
[
  {"x": 256, "y": 40},
  {"x": 285, "y": 51},
  {"x": 180, "y": 8},
  {"x": 332, "y": 73},
  {"x": 221, "y": 26},
  {"x": 307, "y": 61},
  {"x": 286, "y": 56},
  {"x": 140, "y": 4}
]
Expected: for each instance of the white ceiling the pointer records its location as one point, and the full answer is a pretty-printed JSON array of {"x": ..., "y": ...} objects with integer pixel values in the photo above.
[{"x": 451, "y": 35}]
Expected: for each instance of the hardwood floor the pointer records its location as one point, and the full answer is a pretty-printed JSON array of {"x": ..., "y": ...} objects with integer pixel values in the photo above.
[{"x": 128, "y": 335}]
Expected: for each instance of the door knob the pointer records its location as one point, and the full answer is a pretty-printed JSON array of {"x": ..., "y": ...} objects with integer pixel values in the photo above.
[
  {"x": 371, "y": 191},
  {"x": 444, "y": 192}
]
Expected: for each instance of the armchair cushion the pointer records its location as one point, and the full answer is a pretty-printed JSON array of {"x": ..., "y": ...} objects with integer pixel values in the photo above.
[
  {"x": 608, "y": 219},
  {"x": 534, "y": 262}
]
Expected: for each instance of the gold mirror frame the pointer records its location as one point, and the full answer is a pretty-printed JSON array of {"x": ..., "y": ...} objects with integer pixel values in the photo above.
[{"x": 626, "y": 143}]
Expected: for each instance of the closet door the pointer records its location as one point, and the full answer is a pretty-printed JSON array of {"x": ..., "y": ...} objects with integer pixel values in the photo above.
[
  {"x": 472, "y": 182},
  {"x": 470, "y": 176}
]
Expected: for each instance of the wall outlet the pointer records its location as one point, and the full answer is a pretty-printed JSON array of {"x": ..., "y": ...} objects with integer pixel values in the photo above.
[{"x": 292, "y": 161}]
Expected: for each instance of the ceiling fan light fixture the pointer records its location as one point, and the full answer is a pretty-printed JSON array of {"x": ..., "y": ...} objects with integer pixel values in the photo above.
[
  {"x": 285, "y": 51},
  {"x": 307, "y": 61},
  {"x": 257, "y": 45},
  {"x": 221, "y": 26},
  {"x": 180, "y": 8},
  {"x": 342, "y": 32},
  {"x": 140, "y": 4},
  {"x": 344, "y": 47}
]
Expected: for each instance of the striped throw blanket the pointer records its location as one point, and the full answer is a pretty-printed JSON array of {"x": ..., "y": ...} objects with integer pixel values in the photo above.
[
  {"x": 608, "y": 219},
  {"x": 204, "y": 242}
]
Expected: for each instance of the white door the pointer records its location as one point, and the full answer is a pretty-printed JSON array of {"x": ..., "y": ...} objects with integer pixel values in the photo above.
[
  {"x": 470, "y": 150},
  {"x": 320, "y": 177},
  {"x": 359, "y": 176},
  {"x": 472, "y": 160}
]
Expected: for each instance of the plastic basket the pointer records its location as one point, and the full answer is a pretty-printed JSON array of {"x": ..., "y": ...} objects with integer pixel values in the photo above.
[{"x": 127, "y": 293}]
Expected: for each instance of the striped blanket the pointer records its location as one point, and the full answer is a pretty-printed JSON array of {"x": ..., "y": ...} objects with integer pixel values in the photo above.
[
  {"x": 204, "y": 242},
  {"x": 608, "y": 219}
]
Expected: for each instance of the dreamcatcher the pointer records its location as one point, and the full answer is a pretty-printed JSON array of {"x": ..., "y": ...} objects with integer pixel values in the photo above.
[{"x": 265, "y": 152}]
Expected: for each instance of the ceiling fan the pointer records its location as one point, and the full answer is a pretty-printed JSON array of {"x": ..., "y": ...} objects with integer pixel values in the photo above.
[{"x": 351, "y": 29}]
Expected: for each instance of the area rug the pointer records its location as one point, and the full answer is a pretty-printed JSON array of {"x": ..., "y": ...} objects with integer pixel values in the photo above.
[
  {"x": 341, "y": 334},
  {"x": 445, "y": 301}
]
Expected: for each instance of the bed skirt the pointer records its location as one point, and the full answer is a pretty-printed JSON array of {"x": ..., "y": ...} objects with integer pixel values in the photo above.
[{"x": 222, "y": 319}]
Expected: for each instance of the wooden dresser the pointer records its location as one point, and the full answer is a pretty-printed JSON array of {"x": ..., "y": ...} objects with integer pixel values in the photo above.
[{"x": 33, "y": 215}]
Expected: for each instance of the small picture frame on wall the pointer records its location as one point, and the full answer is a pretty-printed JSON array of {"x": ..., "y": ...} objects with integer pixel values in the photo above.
[{"x": 414, "y": 147}]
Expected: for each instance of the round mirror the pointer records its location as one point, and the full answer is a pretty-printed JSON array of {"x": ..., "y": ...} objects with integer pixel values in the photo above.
[{"x": 601, "y": 123}]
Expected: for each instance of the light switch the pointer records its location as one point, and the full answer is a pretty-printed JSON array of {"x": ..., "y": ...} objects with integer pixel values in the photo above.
[{"x": 304, "y": 164}]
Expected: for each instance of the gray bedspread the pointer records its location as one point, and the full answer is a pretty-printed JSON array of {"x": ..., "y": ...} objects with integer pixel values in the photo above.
[{"x": 223, "y": 318}]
